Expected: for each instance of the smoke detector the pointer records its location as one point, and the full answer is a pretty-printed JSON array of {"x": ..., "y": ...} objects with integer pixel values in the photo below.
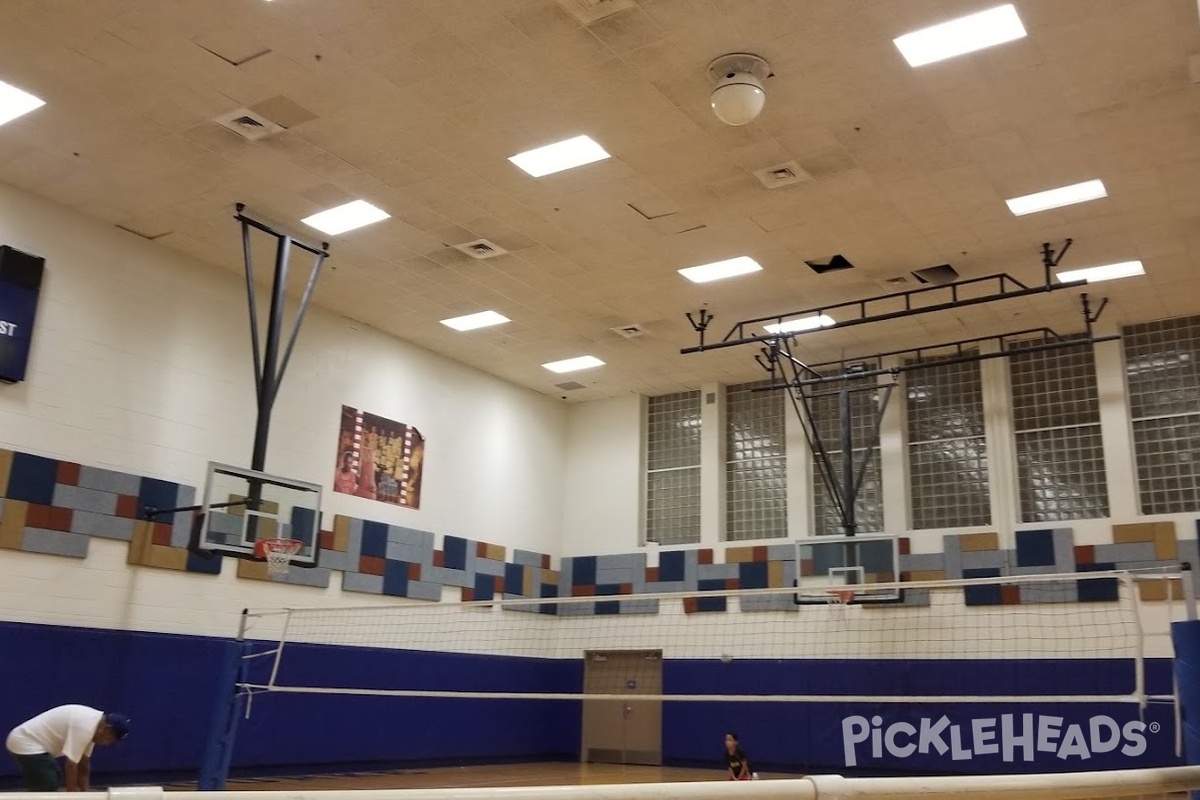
[
  {"x": 249, "y": 125},
  {"x": 632, "y": 331},
  {"x": 481, "y": 249},
  {"x": 787, "y": 174}
]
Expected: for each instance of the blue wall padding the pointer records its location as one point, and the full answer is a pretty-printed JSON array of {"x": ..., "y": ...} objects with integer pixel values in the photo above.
[
  {"x": 1185, "y": 636},
  {"x": 169, "y": 685}
]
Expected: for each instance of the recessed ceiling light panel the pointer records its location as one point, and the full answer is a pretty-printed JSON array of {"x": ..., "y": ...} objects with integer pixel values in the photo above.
[
  {"x": 1057, "y": 198},
  {"x": 16, "y": 102},
  {"x": 1108, "y": 272},
  {"x": 730, "y": 267},
  {"x": 470, "y": 322},
  {"x": 960, "y": 36},
  {"x": 574, "y": 364},
  {"x": 350, "y": 216},
  {"x": 560, "y": 156}
]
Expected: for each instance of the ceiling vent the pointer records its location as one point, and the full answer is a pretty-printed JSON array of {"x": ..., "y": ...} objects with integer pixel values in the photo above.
[
  {"x": 481, "y": 249},
  {"x": 941, "y": 274},
  {"x": 895, "y": 283},
  {"x": 837, "y": 262},
  {"x": 589, "y": 11},
  {"x": 569, "y": 386},
  {"x": 629, "y": 331},
  {"x": 249, "y": 124},
  {"x": 781, "y": 175}
]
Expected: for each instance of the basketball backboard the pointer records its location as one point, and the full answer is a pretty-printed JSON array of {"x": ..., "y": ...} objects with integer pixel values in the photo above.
[
  {"x": 241, "y": 506},
  {"x": 827, "y": 564}
]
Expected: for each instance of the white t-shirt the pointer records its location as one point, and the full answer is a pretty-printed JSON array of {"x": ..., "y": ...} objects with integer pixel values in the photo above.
[{"x": 61, "y": 731}]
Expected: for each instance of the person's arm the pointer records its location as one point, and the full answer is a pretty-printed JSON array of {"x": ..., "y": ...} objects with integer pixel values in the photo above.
[
  {"x": 85, "y": 773},
  {"x": 76, "y": 774},
  {"x": 743, "y": 768}
]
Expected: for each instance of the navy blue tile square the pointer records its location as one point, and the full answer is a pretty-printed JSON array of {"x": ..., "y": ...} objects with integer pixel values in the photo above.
[
  {"x": 1035, "y": 548},
  {"x": 1098, "y": 590},
  {"x": 670, "y": 565},
  {"x": 753, "y": 575},
  {"x": 208, "y": 564},
  {"x": 711, "y": 603},
  {"x": 395, "y": 578},
  {"x": 32, "y": 479},
  {"x": 514, "y": 578},
  {"x": 485, "y": 587},
  {"x": 374, "y": 539},
  {"x": 548, "y": 590},
  {"x": 304, "y": 525},
  {"x": 606, "y": 589},
  {"x": 152, "y": 493},
  {"x": 455, "y": 552},
  {"x": 583, "y": 570},
  {"x": 982, "y": 595},
  {"x": 608, "y": 607}
]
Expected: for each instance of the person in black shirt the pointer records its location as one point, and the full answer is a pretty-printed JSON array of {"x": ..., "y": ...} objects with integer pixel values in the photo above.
[{"x": 736, "y": 760}]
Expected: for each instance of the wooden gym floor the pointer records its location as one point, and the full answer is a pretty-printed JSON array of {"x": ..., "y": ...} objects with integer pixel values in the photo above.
[{"x": 540, "y": 774}]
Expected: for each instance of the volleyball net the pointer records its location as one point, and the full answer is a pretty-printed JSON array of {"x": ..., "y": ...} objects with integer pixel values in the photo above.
[{"x": 1071, "y": 638}]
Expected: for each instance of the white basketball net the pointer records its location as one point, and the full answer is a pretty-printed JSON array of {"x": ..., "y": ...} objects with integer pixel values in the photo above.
[{"x": 278, "y": 553}]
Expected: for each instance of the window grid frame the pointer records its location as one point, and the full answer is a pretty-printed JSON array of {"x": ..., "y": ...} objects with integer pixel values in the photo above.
[
  {"x": 672, "y": 475},
  {"x": 751, "y": 514}
]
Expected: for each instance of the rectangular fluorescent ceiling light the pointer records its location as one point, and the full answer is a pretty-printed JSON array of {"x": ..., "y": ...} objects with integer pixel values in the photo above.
[
  {"x": 347, "y": 217},
  {"x": 470, "y": 322},
  {"x": 802, "y": 324},
  {"x": 959, "y": 36},
  {"x": 573, "y": 364},
  {"x": 15, "y": 102},
  {"x": 559, "y": 156},
  {"x": 1108, "y": 272},
  {"x": 1057, "y": 198},
  {"x": 742, "y": 265}
]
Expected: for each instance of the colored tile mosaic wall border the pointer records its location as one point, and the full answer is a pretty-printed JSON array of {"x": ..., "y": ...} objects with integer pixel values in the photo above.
[{"x": 56, "y": 507}]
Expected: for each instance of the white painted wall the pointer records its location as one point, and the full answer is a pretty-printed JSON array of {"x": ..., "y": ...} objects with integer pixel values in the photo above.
[{"x": 141, "y": 362}]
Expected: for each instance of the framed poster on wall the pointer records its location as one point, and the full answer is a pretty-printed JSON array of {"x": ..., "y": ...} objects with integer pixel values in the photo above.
[{"x": 379, "y": 459}]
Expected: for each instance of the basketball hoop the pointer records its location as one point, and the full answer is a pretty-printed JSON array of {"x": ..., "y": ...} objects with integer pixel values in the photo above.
[
  {"x": 277, "y": 553},
  {"x": 840, "y": 597}
]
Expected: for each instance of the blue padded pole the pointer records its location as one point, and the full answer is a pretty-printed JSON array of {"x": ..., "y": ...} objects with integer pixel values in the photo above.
[
  {"x": 1185, "y": 636},
  {"x": 227, "y": 713}
]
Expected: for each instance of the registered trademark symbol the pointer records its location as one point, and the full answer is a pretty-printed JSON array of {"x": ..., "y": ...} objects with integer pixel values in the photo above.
[{"x": 1155, "y": 727}]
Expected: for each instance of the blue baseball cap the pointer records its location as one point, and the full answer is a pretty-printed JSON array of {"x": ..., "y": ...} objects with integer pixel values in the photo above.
[{"x": 119, "y": 723}]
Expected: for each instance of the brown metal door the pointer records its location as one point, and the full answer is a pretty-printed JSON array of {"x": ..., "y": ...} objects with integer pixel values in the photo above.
[{"x": 625, "y": 731}]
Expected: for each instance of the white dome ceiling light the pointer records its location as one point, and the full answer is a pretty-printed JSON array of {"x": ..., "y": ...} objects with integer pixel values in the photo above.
[{"x": 738, "y": 96}]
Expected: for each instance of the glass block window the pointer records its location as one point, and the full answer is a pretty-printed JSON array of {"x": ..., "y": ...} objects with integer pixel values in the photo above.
[
  {"x": 755, "y": 463},
  {"x": 1163, "y": 378},
  {"x": 826, "y": 423},
  {"x": 1056, "y": 419},
  {"x": 673, "y": 469},
  {"x": 947, "y": 454}
]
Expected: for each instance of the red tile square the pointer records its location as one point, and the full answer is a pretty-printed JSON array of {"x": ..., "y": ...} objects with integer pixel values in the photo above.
[
  {"x": 652, "y": 574},
  {"x": 162, "y": 534},
  {"x": 60, "y": 519},
  {"x": 626, "y": 588},
  {"x": 1085, "y": 554},
  {"x": 545, "y": 561},
  {"x": 468, "y": 595},
  {"x": 38, "y": 516},
  {"x": 691, "y": 605},
  {"x": 498, "y": 585},
  {"x": 68, "y": 473},
  {"x": 127, "y": 506},
  {"x": 904, "y": 545},
  {"x": 371, "y": 565},
  {"x": 905, "y": 576},
  {"x": 806, "y": 567},
  {"x": 583, "y": 591},
  {"x": 414, "y": 572},
  {"x": 481, "y": 549},
  {"x": 1010, "y": 595},
  {"x": 759, "y": 553},
  {"x": 439, "y": 558},
  {"x": 326, "y": 540},
  {"x": 731, "y": 583},
  {"x": 704, "y": 555}
]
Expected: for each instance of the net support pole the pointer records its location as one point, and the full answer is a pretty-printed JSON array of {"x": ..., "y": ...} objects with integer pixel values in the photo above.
[
  {"x": 1185, "y": 636},
  {"x": 227, "y": 712}
]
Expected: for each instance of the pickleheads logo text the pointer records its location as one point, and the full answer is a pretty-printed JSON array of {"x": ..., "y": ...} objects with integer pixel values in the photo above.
[{"x": 1009, "y": 736}]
